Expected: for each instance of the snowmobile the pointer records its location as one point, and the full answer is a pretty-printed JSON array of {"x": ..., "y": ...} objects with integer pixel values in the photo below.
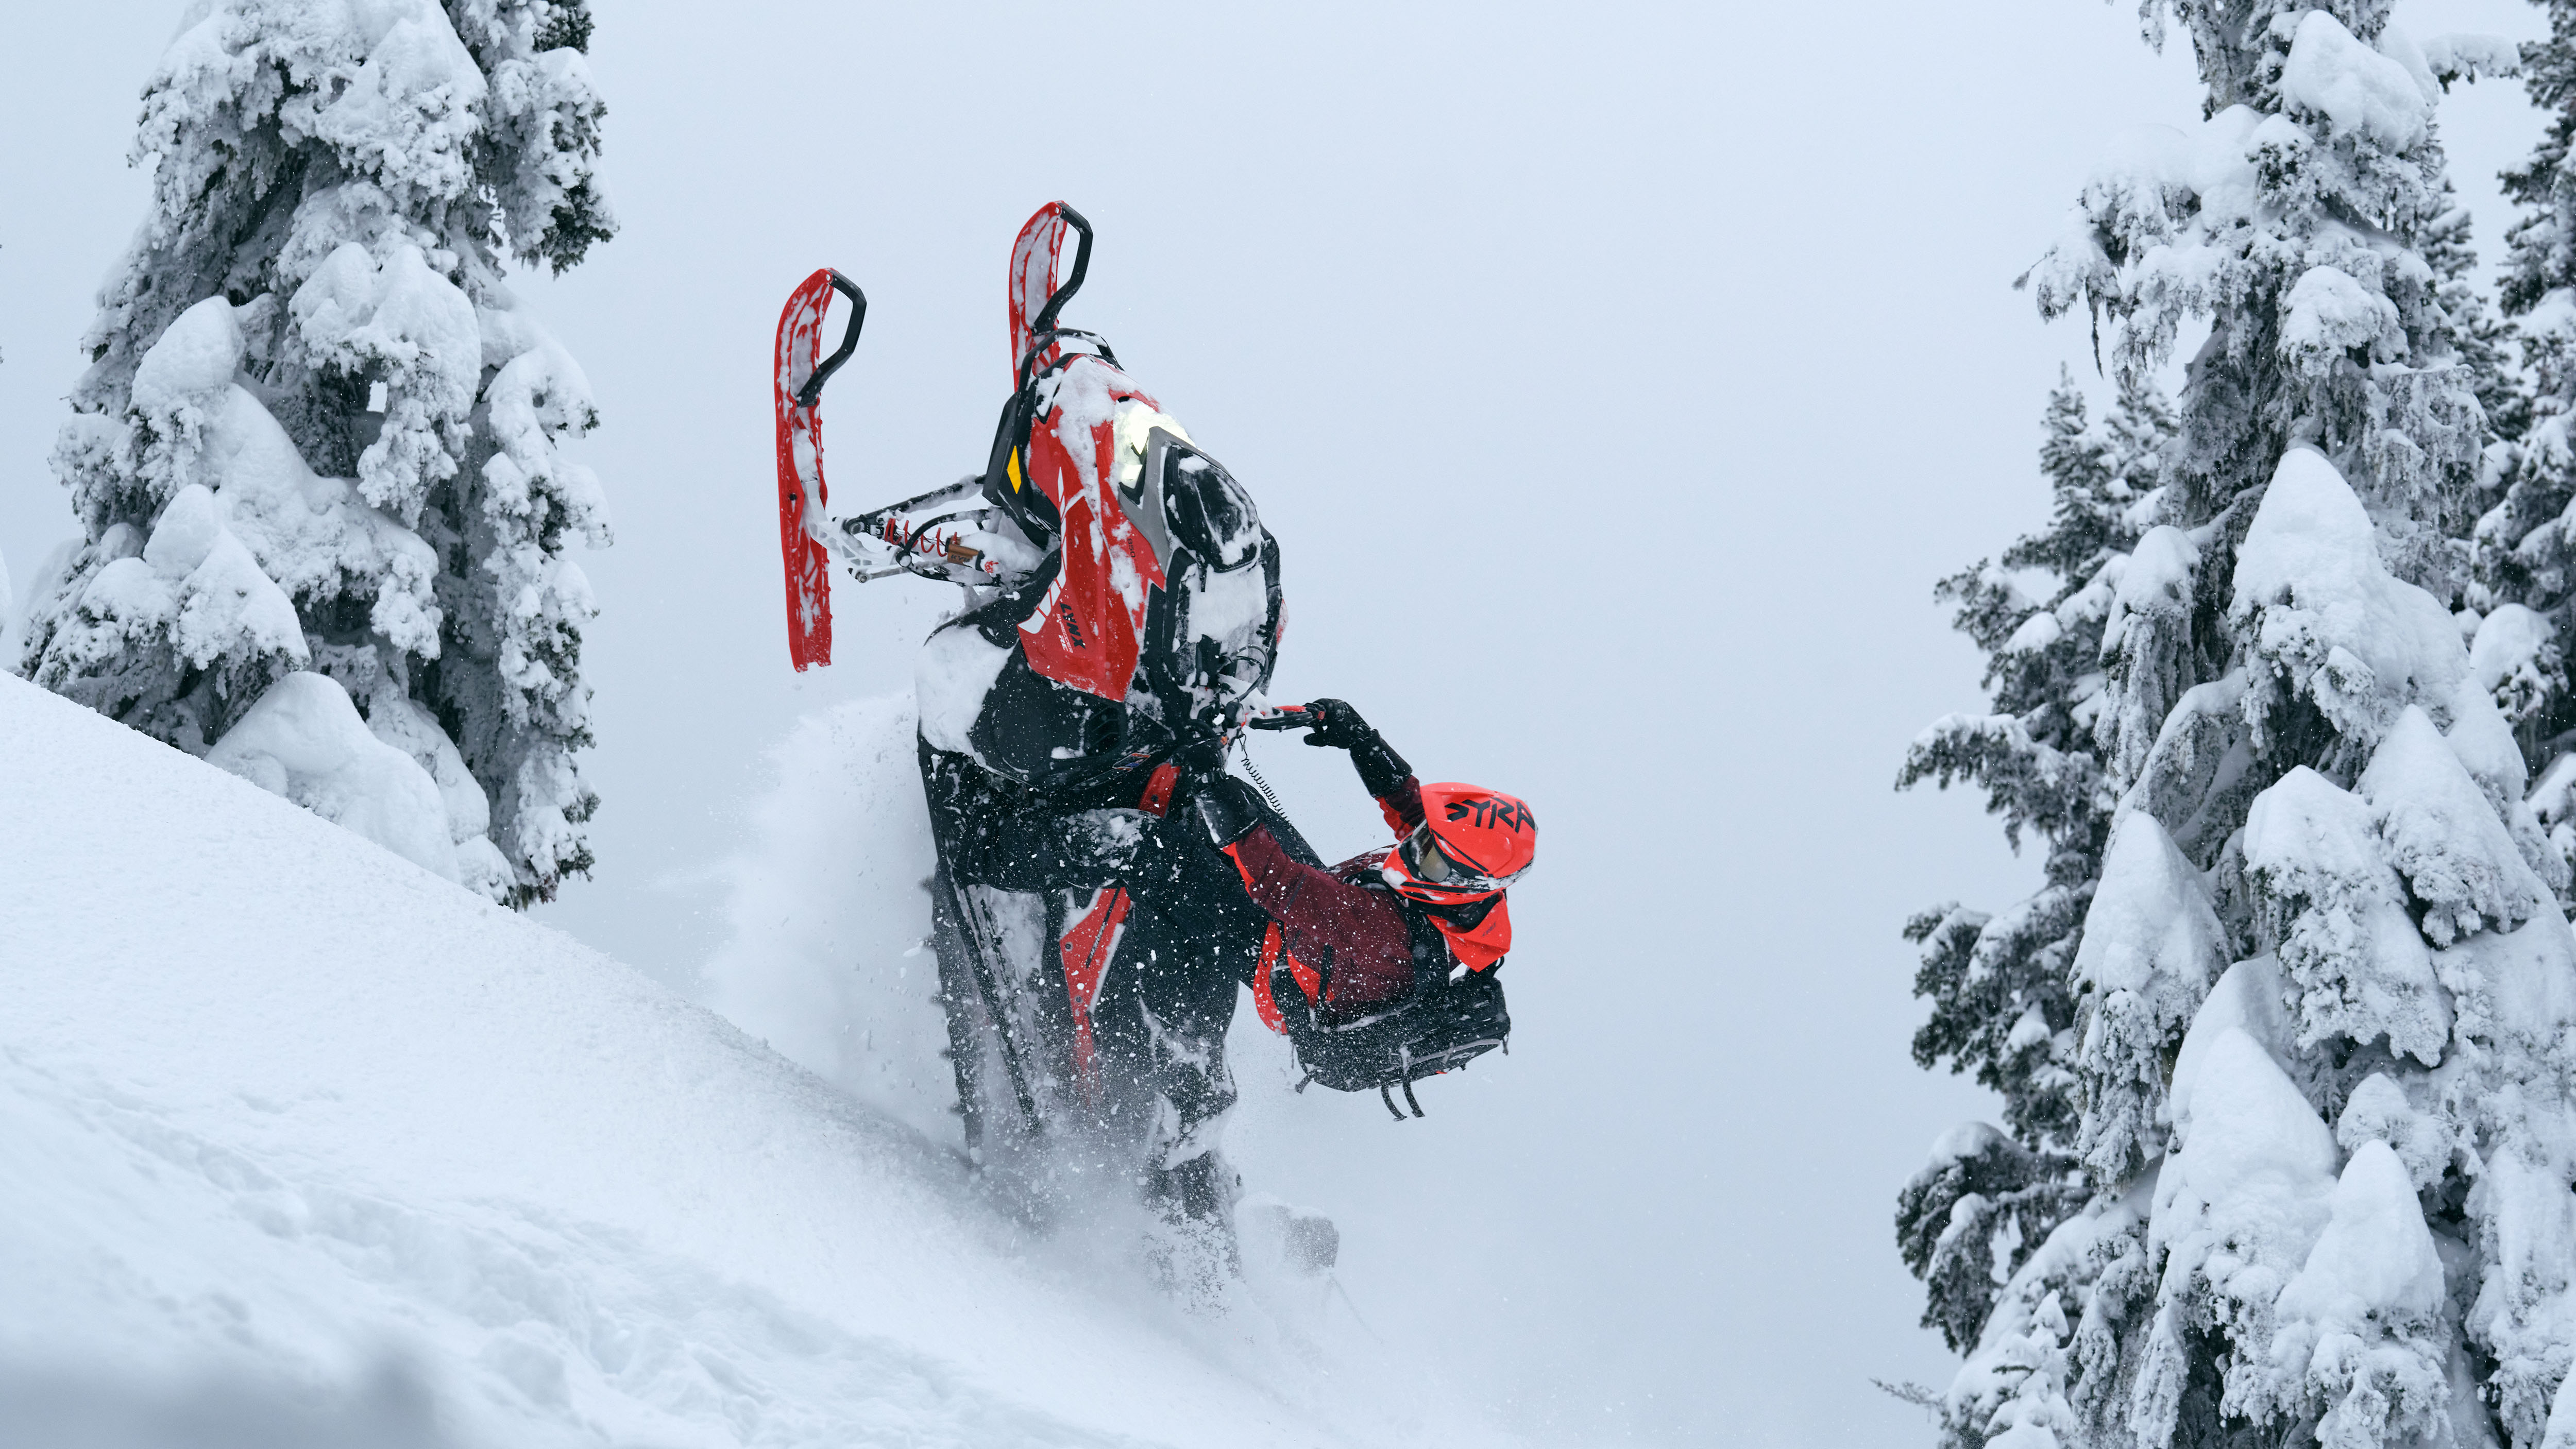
[{"x": 1121, "y": 621}]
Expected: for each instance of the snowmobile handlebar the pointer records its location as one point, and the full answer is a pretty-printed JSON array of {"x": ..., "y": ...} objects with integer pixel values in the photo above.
[
  {"x": 812, "y": 392},
  {"x": 1288, "y": 717}
]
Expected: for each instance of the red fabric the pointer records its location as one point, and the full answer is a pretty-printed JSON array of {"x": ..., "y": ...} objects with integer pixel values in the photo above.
[
  {"x": 1486, "y": 944},
  {"x": 1308, "y": 979},
  {"x": 1262, "y": 999},
  {"x": 1322, "y": 919},
  {"x": 1320, "y": 916},
  {"x": 1088, "y": 945},
  {"x": 1402, "y": 808}
]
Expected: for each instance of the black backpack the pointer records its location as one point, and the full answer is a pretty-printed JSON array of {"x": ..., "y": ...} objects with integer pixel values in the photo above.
[{"x": 1449, "y": 1018}]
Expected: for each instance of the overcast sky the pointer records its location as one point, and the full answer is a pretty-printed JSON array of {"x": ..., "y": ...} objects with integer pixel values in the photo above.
[{"x": 1617, "y": 379}]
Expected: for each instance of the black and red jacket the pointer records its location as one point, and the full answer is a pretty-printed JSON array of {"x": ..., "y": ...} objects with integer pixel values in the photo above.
[{"x": 1348, "y": 940}]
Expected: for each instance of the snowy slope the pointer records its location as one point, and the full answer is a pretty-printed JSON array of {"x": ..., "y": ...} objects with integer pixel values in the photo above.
[{"x": 282, "y": 1114}]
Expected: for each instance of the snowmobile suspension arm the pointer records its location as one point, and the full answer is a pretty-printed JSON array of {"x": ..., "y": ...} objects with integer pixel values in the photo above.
[
  {"x": 931, "y": 549},
  {"x": 947, "y": 533}
]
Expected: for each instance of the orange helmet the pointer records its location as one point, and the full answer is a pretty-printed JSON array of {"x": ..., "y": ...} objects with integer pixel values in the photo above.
[{"x": 1472, "y": 843}]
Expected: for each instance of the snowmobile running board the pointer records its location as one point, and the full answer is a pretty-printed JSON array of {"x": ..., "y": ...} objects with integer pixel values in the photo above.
[{"x": 972, "y": 940}]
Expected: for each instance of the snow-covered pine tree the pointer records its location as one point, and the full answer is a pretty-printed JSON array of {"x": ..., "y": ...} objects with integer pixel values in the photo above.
[
  {"x": 2325, "y": 1009},
  {"x": 2526, "y": 557},
  {"x": 320, "y": 435},
  {"x": 2003, "y": 1002},
  {"x": 2477, "y": 336}
]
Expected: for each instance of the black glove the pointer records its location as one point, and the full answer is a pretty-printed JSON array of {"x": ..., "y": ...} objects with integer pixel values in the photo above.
[
  {"x": 1332, "y": 723},
  {"x": 1338, "y": 726},
  {"x": 1228, "y": 810}
]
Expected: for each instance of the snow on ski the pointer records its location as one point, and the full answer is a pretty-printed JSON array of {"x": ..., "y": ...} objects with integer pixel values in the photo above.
[{"x": 798, "y": 376}]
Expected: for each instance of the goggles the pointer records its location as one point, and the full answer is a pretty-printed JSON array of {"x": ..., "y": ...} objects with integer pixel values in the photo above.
[{"x": 1435, "y": 868}]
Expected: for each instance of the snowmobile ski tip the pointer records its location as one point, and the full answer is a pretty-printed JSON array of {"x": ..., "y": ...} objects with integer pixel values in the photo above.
[
  {"x": 1036, "y": 298},
  {"x": 812, "y": 392}
]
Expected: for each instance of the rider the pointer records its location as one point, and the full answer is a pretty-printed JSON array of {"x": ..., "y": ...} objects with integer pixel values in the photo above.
[{"x": 1353, "y": 937}]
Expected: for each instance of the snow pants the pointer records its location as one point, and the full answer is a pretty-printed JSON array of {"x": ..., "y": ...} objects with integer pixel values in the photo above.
[{"x": 1192, "y": 938}]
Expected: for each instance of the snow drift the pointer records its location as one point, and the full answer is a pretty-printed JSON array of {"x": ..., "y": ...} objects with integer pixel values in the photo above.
[
  {"x": 308, "y": 1143},
  {"x": 828, "y": 913}
]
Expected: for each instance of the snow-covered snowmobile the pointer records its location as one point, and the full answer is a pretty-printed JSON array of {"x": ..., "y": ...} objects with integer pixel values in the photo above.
[
  {"x": 1123, "y": 601},
  {"x": 1121, "y": 621}
]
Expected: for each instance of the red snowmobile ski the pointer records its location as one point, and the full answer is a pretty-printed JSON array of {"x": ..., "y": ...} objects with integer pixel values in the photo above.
[
  {"x": 799, "y": 374},
  {"x": 940, "y": 534}
]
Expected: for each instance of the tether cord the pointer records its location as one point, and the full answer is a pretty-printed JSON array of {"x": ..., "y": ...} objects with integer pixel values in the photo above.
[{"x": 1261, "y": 784}]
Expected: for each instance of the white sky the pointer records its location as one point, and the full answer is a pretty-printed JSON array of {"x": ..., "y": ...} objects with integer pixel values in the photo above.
[{"x": 1618, "y": 380}]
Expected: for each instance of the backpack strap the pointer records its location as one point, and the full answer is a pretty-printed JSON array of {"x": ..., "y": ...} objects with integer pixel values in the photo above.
[
  {"x": 1264, "y": 999},
  {"x": 1276, "y": 957}
]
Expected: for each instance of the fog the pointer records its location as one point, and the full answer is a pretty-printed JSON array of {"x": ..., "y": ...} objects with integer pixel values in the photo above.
[{"x": 1617, "y": 380}]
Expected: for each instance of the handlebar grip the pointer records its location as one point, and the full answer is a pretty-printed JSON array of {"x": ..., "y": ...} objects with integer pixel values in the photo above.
[{"x": 1290, "y": 717}]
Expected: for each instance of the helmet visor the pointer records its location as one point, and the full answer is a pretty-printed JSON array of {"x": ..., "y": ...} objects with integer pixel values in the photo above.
[{"x": 1431, "y": 866}]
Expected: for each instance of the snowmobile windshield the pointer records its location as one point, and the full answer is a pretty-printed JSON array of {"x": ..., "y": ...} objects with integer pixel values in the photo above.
[
  {"x": 1434, "y": 867},
  {"x": 1208, "y": 512}
]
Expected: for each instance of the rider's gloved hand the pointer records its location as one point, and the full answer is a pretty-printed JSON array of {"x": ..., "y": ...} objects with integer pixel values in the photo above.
[
  {"x": 1333, "y": 724},
  {"x": 1336, "y": 725}
]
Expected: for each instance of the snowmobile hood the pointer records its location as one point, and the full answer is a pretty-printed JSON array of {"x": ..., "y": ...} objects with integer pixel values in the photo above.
[{"x": 1165, "y": 567}]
